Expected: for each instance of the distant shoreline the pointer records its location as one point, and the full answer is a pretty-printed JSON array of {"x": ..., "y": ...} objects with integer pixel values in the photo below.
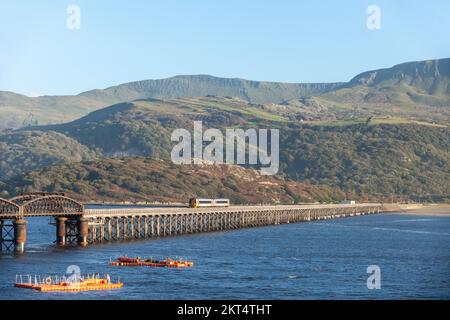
[{"x": 435, "y": 210}]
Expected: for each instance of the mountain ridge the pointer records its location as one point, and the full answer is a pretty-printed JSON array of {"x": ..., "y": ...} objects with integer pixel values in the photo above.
[
  {"x": 418, "y": 85},
  {"x": 204, "y": 85},
  {"x": 420, "y": 68}
]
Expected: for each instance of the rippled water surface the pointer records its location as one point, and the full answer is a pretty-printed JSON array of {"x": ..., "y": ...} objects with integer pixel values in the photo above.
[{"x": 316, "y": 260}]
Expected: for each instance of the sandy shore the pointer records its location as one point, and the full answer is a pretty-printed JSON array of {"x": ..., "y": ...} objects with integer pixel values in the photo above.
[{"x": 428, "y": 210}]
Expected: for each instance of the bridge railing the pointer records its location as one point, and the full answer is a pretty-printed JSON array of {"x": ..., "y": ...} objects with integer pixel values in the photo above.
[{"x": 94, "y": 213}]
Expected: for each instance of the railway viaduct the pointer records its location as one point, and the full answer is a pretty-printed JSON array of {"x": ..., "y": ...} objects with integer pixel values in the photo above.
[{"x": 77, "y": 225}]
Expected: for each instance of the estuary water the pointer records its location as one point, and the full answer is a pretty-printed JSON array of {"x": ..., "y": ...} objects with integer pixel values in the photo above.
[{"x": 314, "y": 260}]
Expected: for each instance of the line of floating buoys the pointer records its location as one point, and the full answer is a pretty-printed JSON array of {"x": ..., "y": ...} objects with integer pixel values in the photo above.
[
  {"x": 138, "y": 262},
  {"x": 95, "y": 283},
  {"x": 87, "y": 284}
]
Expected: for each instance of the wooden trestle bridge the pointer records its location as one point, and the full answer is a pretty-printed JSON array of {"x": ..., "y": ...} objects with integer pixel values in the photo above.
[{"x": 77, "y": 225}]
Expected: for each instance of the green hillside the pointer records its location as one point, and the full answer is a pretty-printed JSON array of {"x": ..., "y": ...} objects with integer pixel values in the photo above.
[
  {"x": 26, "y": 151},
  {"x": 141, "y": 179},
  {"x": 18, "y": 111},
  {"x": 143, "y": 128},
  {"x": 371, "y": 156},
  {"x": 402, "y": 159}
]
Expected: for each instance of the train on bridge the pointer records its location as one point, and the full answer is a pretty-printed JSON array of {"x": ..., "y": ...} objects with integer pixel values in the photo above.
[
  {"x": 204, "y": 203},
  {"x": 77, "y": 225}
]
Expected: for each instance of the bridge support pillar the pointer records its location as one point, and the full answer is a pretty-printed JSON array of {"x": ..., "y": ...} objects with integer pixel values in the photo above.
[
  {"x": 83, "y": 231},
  {"x": 20, "y": 235},
  {"x": 61, "y": 231},
  {"x": 1, "y": 235}
]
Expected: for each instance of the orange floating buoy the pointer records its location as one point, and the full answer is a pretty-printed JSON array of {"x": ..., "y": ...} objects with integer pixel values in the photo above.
[{"x": 85, "y": 284}]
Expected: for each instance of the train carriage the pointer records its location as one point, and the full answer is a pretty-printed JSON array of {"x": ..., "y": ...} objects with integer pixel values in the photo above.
[{"x": 201, "y": 202}]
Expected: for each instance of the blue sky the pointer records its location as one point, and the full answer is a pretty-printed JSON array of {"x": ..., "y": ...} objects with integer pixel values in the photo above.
[{"x": 289, "y": 41}]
